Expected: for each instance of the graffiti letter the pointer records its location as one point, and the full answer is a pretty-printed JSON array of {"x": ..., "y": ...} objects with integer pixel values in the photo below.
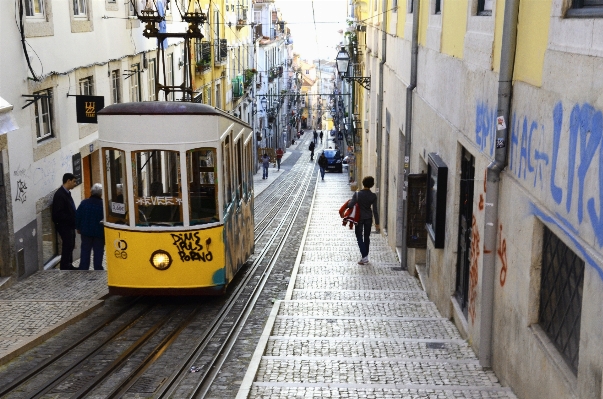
[
  {"x": 591, "y": 130},
  {"x": 556, "y": 192}
]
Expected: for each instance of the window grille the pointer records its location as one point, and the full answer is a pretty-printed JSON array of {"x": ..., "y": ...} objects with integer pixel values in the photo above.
[
  {"x": 115, "y": 87},
  {"x": 34, "y": 8},
  {"x": 87, "y": 86},
  {"x": 43, "y": 114},
  {"x": 561, "y": 285}
]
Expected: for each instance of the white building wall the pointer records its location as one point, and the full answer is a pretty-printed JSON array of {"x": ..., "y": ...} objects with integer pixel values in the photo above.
[{"x": 65, "y": 53}]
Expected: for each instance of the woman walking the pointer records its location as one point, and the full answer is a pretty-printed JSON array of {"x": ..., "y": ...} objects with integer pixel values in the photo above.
[{"x": 367, "y": 201}]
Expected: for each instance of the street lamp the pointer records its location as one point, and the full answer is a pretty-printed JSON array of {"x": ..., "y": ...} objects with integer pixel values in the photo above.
[
  {"x": 263, "y": 102},
  {"x": 343, "y": 63}
]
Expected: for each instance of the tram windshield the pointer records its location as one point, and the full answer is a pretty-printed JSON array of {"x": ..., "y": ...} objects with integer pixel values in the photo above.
[
  {"x": 157, "y": 194},
  {"x": 202, "y": 185},
  {"x": 115, "y": 189}
]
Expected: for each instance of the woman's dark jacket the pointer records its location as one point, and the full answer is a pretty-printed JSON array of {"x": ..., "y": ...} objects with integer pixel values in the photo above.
[{"x": 366, "y": 200}]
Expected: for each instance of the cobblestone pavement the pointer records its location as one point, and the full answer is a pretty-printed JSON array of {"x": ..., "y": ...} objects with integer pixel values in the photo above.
[
  {"x": 36, "y": 308},
  {"x": 346, "y": 330}
]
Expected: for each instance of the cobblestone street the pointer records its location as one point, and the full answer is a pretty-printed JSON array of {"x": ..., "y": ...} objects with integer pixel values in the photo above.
[{"x": 359, "y": 331}]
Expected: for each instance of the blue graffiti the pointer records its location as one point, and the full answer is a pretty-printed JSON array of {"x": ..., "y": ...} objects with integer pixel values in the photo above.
[
  {"x": 485, "y": 127},
  {"x": 525, "y": 158},
  {"x": 570, "y": 160}
]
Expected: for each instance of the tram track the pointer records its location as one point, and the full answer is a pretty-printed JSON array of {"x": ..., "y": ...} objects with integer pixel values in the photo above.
[{"x": 155, "y": 339}]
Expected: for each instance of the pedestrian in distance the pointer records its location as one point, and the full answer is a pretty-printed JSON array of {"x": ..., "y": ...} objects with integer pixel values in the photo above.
[
  {"x": 279, "y": 156},
  {"x": 265, "y": 165},
  {"x": 311, "y": 148},
  {"x": 63, "y": 217},
  {"x": 322, "y": 163},
  {"x": 367, "y": 201},
  {"x": 315, "y": 137},
  {"x": 321, "y": 136},
  {"x": 89, "y": 224}
]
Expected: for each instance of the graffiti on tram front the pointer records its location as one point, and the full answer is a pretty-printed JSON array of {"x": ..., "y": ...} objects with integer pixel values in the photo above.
[{"x": 191, "y": 248}]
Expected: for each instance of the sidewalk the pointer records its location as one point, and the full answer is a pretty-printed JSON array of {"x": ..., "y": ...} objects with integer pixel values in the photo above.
[
  {"x": 41, "y": 305},
  {"x": 351, "y": 331}
]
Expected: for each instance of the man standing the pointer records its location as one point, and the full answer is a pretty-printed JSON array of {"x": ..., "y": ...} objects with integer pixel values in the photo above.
[
  {"x": 88, "y": 221},
  {"x": 265, "y": 165},
  {"x": 63, "y": 216},
  {"x": 315, "y": 136},
  {"x": 279, "y": 155},
  {"x": 323, "y": 163}
]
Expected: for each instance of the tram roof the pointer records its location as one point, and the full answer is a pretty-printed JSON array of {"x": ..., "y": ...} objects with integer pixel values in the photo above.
[{"x": 161, "y": 108}]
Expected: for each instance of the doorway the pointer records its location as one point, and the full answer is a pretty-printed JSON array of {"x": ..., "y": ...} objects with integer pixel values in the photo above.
[{"x": 465, "y": 221}]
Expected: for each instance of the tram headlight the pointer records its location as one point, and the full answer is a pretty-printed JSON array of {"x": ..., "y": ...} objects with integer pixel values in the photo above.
[{"x": 161, "y": 260}]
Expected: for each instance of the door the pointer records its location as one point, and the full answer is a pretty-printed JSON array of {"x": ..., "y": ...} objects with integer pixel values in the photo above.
[{"x": 465, "y": 220}]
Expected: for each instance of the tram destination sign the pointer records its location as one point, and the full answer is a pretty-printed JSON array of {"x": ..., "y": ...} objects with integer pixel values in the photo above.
[{"x": 87, "y": 108}]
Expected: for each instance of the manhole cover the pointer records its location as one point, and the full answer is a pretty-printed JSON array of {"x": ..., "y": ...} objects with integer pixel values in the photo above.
[
  {"x": 146, "y": 385},
  {"x": 436, "y": 345},
  {"x": 73, "y": 384}
]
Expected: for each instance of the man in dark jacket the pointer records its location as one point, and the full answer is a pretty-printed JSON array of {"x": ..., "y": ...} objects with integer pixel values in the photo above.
[
  {"x": 88, "y": 222},
  {"x": 322, "y": 163},
  {"x": 366, "y": 200},
  {"x": 315, "y": 137},
  {"x": 63, "y": 216},
  {"x": 311, "y": 148}
]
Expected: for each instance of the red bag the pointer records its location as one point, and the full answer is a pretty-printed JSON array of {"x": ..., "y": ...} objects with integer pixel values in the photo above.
[{"x": 350, "y": 215}]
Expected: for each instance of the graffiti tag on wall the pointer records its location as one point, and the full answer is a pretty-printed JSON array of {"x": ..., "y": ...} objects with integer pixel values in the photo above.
[
  {"x": 473, "y": 273},
  {"x": 561, "y": 157},
  {"x": 21, "y": 192},
  {"x": 502, "y": 254}
]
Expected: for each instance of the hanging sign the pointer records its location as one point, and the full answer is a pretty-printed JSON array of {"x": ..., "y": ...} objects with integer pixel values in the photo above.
[{"x": 87, "y": 107}]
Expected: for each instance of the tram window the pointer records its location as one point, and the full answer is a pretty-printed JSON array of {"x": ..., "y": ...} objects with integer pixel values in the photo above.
[
  {"x": 249, "y": 170},
  {"x": 240, "y": 169},
  {"x": 115, "y": 188},
  {"x": 226, "y": 168},
  {"x": 157, "y": 194},
  {"x": 202, "y": 185}
]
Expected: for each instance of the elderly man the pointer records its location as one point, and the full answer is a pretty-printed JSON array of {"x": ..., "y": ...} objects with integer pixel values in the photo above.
[{"x": 88, "y": 221}]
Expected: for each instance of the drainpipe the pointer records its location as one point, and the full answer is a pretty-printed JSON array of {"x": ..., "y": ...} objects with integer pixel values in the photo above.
[
  {"x": 380, "y": 105},
  {"x": 404, "y": 168},
  {"x": 505, "y": 87}
]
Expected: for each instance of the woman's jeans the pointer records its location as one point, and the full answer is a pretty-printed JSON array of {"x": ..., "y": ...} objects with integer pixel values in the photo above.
[
  {"x": 363, "y": 235},
  {"x": 89, "y": 244}
]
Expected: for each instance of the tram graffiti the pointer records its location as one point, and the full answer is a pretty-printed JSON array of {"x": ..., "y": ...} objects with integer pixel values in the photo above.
[{"x": 190, "y": 247}]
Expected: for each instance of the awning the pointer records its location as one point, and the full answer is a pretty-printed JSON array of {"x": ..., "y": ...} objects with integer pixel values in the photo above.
[{"x": 7, "y": 121}]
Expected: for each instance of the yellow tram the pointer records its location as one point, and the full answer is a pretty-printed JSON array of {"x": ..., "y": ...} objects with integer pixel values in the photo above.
[{"x": 178, "y": 197}]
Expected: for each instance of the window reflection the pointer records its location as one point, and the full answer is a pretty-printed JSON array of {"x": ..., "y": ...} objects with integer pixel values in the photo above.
[
  {"x": 203, "y": 183},
  {"x": 157, "y": 193}
]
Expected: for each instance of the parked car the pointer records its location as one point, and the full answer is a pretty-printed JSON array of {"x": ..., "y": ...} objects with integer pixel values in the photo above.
[{"x": 334, "y": 160}]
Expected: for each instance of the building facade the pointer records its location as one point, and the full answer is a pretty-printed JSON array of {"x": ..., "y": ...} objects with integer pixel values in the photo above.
[{"x": 497, "y": 212}]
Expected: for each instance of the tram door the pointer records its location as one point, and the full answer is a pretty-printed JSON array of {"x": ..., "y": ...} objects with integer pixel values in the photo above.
[{"x": 465, "y": 221}]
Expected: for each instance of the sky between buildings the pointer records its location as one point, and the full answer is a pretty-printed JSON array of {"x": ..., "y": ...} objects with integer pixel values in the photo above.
[{"x": 314, "y": 26}]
